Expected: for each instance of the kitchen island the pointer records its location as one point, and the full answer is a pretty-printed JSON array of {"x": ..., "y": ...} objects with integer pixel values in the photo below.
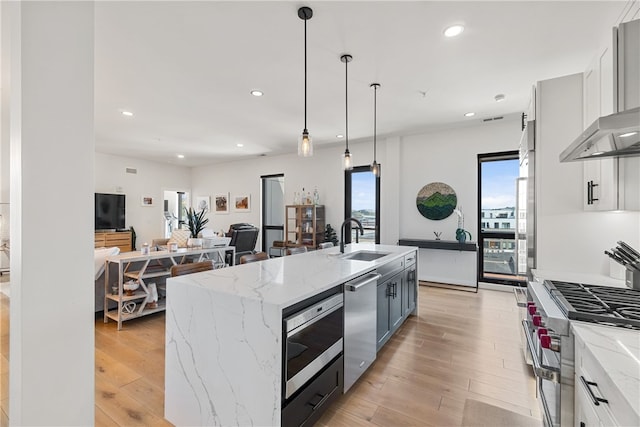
[{"x": 224, "y": 332}]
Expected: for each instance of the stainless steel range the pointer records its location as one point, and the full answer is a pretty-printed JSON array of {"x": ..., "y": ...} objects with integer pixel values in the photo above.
[{"x": 550, "y": 307}]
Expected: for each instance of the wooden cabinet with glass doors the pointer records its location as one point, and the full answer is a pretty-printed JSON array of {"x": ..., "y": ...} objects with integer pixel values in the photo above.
[{"x": 305, "y": 225}]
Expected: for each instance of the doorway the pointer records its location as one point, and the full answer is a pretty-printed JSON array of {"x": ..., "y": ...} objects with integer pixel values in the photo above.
[
  {"x": 497, "y": 191},
  {"x": 362, "y": 202},
  {"x": 175, "y": 203},
  {"x": 272, "y": 210}
]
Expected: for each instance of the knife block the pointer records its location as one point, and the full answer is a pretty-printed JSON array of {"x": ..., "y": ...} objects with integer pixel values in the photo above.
[{"x": 632, "y": 278}]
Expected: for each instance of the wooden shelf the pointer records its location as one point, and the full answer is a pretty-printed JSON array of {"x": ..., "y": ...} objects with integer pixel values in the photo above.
[
  {"x": 113, "y": 314},
  {"x": 147, "y": 274},
  {"x": 301, "y": 217},
  {"x": 125, "y": 297}
]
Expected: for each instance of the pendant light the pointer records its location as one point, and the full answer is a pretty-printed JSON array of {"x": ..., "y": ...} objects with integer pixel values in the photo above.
[
  {"x": 347, "y": 160},
  {"x": 375, "y": 167},
  {"x": 305, "y": 147}
]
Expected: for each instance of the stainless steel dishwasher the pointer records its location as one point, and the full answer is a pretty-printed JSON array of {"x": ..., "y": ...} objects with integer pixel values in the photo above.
[{"x": 359, "y": 326}]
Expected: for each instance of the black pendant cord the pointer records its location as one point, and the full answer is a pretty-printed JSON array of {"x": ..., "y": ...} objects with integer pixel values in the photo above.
[
  {"x": 375, "y": 93},
  {"x": 305, "y": 75},
  {"x": 346, "y": 103}
]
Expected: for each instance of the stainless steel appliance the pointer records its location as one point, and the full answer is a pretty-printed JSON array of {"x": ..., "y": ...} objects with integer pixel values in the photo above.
[
  {"x": 525, "y": 202},
  {"x": 551, "y": 306},
  {"x": 359, "y": 326},
  {"x": 313, "y": 340},
  {"x": 618, "y": 134}
]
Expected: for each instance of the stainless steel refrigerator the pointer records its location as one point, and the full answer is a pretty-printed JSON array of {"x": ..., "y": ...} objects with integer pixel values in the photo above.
[{"x": 525, "y": 203}]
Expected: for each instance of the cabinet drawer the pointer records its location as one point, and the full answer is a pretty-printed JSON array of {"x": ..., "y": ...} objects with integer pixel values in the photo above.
[
  {"x": 410, "y": 259},
  {"x": 315, "y": 398}
]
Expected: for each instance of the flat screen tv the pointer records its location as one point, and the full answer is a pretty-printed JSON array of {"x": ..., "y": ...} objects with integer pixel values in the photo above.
[{"x": 109, "y": 209}]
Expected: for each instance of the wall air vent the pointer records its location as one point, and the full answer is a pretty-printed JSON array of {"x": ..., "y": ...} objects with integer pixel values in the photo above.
[{"x": 131, "y": 170}]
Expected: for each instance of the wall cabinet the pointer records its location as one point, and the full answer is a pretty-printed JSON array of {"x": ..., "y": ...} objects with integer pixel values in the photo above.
[
  {"x": 610, "y": 84},
  {"x": 305, "y": 225}
]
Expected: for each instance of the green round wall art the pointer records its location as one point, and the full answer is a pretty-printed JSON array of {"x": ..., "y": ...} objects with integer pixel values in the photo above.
[{"x": 436, "y": 201}]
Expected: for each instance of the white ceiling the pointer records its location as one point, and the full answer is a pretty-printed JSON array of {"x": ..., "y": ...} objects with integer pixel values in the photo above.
[{"x": 186, "y": 69}]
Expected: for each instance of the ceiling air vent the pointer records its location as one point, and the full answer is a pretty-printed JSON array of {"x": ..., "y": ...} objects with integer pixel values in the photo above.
[
  {"x": 493, "y": 118},
  {"x": 132, "y": 170}
]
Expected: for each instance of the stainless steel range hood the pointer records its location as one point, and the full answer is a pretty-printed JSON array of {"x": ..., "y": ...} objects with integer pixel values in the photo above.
[{"x": 616, "y": 135}]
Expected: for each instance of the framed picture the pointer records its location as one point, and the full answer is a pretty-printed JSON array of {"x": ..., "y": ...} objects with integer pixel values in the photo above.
[
  {"x": 221, "y": 203},
  {"x": 203, "y": 202},
  {"x": 242, "y": 203},
  {"x": 147, "y": 201}
]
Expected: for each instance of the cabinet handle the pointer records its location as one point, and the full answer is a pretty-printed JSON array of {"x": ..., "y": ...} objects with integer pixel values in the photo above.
[
  {"x": 323, "y": 398},
  {"x": 590, "y": 187},
  {"x": 389, "y": 293},
  {"x": 588, "y": 384},
  {"x": 395, "y": 289}
]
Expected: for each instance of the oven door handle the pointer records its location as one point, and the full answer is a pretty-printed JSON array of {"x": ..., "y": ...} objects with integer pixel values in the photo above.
[
  {"x": 587, "y": 384},
  {"x": 543, "y": 371}
]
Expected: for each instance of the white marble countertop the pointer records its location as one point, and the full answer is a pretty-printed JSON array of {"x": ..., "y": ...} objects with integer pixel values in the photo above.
[
  {"x": 589, "y": 279},
  {"x": 284, "y": 281},
  {"x": 617, "y": 350}
]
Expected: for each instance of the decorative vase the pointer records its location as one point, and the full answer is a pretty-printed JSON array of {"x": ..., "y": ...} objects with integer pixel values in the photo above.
[
  {"x": 152, "y": 298},
  {"x": 461, "y": 235},
  {"x": 194, "y": 242}
]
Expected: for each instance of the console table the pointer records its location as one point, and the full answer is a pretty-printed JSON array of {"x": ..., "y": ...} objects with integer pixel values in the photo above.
[
  {"x": 141, "y": 268},
  {"x": 446, "y": 261}
]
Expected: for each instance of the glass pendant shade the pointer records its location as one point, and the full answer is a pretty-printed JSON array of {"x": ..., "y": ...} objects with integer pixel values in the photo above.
[
  {"x": 375, "y": 168},
  {"x": 347, "y": 161},
  {"x": 305, "y": 145}
]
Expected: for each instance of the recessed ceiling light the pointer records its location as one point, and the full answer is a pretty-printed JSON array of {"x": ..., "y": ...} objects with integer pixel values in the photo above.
[
  {"x": 499, "y": 97},
  {"x": 339, "y": 135},
  {"x": 469, "y": 114},
  {"x": 181, "y": 156},
  {"x": 257, "y": 93},
  {"x": 127, "y": 113},
  {"x": 240, "y": 145},
  {"x": 453, "y": 30},
  {"x": 624, "y": 135}
]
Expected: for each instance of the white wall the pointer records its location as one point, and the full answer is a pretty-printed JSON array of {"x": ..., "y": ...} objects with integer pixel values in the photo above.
[
  {"x": 49, "y": 53},
  {"x": 151, "y": 179},
  {"x": 449, "y": 156},
  {"x": 322, "y": 171}
]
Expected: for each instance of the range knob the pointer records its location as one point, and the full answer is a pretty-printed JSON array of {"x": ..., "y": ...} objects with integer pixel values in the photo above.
[
  {"x": 550, "y": 342},
  {"x": 537, "y": 320},
  {"x": 542, "y": 331},
  {"x": 532, "y": 309},
  {"x": 545, "y": 341}
]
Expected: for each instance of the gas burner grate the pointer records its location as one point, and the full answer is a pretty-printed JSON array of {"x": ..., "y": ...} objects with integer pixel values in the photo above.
[
  {"x": 600, "y": 304},
  {"x": 632, "y": 313}
]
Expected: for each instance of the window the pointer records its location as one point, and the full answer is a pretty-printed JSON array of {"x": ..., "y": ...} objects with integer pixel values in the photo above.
[
  {"x": 497, "y": 175},
  {"x": 362, "y": 202}
]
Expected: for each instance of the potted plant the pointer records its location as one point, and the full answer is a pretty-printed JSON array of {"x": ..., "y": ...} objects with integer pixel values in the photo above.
[
  {"x": 196, "y": 222},
  {"x": 461, "y": 233}
]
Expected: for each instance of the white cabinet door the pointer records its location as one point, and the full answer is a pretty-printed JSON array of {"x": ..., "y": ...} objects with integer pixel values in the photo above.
[{"x": 600, "y": 177}]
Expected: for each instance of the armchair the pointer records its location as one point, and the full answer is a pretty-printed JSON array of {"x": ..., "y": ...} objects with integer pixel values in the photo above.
[{"x": 243, "y": 237}]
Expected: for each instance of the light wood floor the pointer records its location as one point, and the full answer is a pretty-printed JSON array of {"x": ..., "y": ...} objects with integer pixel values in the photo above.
[{"x": 463, "y": 345}]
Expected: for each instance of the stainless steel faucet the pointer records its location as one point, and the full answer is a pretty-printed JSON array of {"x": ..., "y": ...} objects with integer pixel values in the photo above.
[{"x": 342, "y": 227}]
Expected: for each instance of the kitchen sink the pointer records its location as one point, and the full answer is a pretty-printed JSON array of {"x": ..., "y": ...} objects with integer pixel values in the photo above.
[{"x": 364, "y": 255}]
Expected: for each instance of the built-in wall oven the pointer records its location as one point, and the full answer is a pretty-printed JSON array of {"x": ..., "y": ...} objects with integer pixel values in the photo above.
[{"x": 313, "y": 362}]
